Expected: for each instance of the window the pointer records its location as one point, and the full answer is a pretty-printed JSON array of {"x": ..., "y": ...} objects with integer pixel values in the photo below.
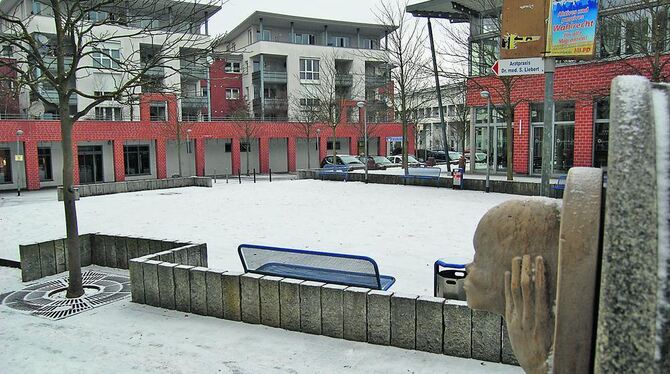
[
  {"x": 451, "y": 110},
  {"x": 137, "y": 159},
  {"x": 228, "y": 148},
  {"x": 308, "y": 39},
  {"x": 309, "y": 69},
  {"x": 232, "y": 93},
  {"x": 158, "y": 111},
  {"x": 329, "y": 145},
  {"x": 370, "y": 44},
  {"x": 245, "y": 147},
  {"x": 564, "y": 111},
  {"x": 108, "y": 114},
  {"x": 106, "y": 58},
  {"x": 5, "y": 166},
  {"x": 601, "y": 132},
  {"x": 6, "y": 51},
  {"x": 97, "y": 16},
  {"x": 610, "y": 37},
  {"x": 637, "y": 34},
  {"x": 267, "y": 35},
  {"x": 44, "y": 163},
  {"x": 233, "y": 67},
  {"x": 310, "y": 102},
  {"x": 339, "y": 41}
]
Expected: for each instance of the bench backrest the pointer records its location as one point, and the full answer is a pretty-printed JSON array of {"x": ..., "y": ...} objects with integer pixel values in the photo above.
[
  {"x": 346, "y": 269},
  {"x": 424, "y": 172},
  {"x": 330, "y": 168}
]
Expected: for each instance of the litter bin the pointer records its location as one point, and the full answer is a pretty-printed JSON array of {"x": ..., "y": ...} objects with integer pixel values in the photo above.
[
  {"x": 457, "y": 180},
  {"x": 449, "y": 275}
]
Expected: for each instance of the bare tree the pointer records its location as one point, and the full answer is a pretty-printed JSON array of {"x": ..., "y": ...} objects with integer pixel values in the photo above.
[
  {"x": 305, "y": 114},
  {"x": 77, "y": 46},
  {"x": 406, "y": 47},
  {"x": 248, "y": 130},
  {"x": 456, "y": 98}
]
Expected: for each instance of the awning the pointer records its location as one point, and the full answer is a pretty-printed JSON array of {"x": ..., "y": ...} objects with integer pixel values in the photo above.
[{"x": 453, "y": 10}]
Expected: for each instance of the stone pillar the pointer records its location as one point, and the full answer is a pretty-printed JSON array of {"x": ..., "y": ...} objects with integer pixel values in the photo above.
[
  {"x": 161, "y": 159},
  {"x": 403, "y": 321},
  {"x": 199, "y": 157},
  {"x": 292, "y": 153},
  {"x": 264, "y": 154},
  {"x": 379, "y": 317},
  {"x": 521, "y": 137},
  {"x": 235, "y": 155},
  {"x": 119, "y": 162},
  {"x": 323, "y": 144},
  {"x": 583, "y": 146},
  {"x": 31, "y": 162}
]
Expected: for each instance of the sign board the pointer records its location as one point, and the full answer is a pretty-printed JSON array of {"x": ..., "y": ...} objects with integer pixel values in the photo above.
[
  {"x": 523, "y": 28},
  {"x": 571, "y": 30},
  {"x": 18, "y": 158},
  {"x": 394, "y": 138},
  {"x": 518, "y": 66}
]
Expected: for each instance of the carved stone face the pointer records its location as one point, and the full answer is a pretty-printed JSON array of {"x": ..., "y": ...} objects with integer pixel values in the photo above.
[{"x": 513, "y": 228}]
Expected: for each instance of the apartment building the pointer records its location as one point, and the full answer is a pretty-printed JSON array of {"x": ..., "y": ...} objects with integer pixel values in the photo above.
[
  {"x": 427, "y": 117},
  {"x": 283, "y": 61}
]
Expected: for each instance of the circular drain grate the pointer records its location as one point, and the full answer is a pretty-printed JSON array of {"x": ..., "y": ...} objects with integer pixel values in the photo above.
[{"x": 48, "y": 299}]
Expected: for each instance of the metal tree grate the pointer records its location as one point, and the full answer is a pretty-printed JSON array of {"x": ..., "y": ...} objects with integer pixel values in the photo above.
[{"x": 38, "y": 299}]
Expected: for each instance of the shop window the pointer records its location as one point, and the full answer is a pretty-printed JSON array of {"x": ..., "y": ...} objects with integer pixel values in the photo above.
[
  {"x": 44, "y": 164},
  {"x": 137, "y": 160},
  {"x": 5, "y": 166}
]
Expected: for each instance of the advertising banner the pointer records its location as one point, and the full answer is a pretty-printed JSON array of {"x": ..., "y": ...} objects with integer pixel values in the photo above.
[
  {"x": 523, "y": 29},
  {"x": 571, "y": 30}
]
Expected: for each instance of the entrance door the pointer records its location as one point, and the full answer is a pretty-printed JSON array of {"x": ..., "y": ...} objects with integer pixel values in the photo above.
[
  {"x": 501, "y": 148},
  {"x": 90, "y": 164},
  {"x": 600, "y": 145},
  {"x": 537, "y": 150}
]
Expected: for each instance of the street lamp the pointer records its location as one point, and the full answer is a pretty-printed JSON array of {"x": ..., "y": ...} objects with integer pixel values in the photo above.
[
  {"x": 487, "y": 95},
  {"x": 18, "y": 159},
  {"x": 318, "y": 146},
  {"x": 361, "y": 105},
  {"x": 188, "y": 141}
]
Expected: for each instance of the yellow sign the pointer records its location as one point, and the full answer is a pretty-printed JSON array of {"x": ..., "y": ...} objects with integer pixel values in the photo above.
[{"x": 18, "y": 158}]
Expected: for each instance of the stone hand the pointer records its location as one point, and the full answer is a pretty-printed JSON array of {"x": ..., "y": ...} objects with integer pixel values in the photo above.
[{"x": 527, "y": 314}]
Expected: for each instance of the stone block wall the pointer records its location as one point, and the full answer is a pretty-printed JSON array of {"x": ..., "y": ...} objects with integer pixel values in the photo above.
[{"x": 85, "y": 190}]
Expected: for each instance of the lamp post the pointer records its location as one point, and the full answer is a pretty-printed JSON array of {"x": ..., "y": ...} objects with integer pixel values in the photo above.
[
  {"x": 318, "y": 146},
  {"x": 487, "y": 96},
  {"x": 18, "y": 158},
  {"x": 361, "y": 105}
]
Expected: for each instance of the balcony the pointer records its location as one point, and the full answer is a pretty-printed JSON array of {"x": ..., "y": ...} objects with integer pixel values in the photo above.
[
  {"x": 279, "y": 77},
  {"x": 376, "y": 80},
  {"x": 193, "y": 71},
  {"x": 155, "y": 72},
  {"x": 52, "y": 63},
  {"x": 344, "y": 80},
  {"x": 194, "y": 101},
  {"x": 271, "y": 105}
]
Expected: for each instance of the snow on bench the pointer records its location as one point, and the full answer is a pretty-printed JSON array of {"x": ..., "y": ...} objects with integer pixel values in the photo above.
[
  {"x": 423, "y": 173},
  {"x": 335, "y": 268}
]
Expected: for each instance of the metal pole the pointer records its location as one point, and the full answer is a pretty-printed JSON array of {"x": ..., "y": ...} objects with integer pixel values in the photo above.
[
  {"x": 548, "y": 128},
  {"x": 365, "y": 127},
  {"x": 439, "y": 95},
  {"x": 18, "y": 167},
  {"x": 270, "y": 175},
  {"x": 239, "y": 175},
  {"x": 254, "y": 175},
  {"x": 214, "y": 175},
  {"x": 488, "y": 144}
]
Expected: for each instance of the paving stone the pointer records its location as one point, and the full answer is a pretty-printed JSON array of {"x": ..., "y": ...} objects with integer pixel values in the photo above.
[
  {"x": 31, "y": 268},
  {"x": 289, "y": 302},
  {"x": 403, "y": 321},
  {"x": 198, "y": 284},
  {"x": 47, "y": 258},
  {"x": 151, "y": 291},
  {"x": 429, "y": 320},
  {"x": 250, "y": 296},
  {"x": 310, "y": 307},
  {"x": 457, "y": 329},
  {"x": 486, "y": 336},
  {"x": 230, "y": 282},
  {"x": 137, "y": 280},
  {"x": 269, "y": 299},
  {"x": 214, "y": 293},
  {"x": 166, "y": 285},
  {"x": 355, "y": 308},
  {"x": 332, "y": 310},
  {"x": 182, "y": 287},
  {"x": 379, "y": 317}
]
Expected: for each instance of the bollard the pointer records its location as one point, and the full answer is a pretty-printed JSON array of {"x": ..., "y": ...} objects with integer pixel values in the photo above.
[
  {"x": 239, "y": 175},
  {"x": 270, "y": 175},
  {"x": 214, "y": 175},
  {"x": 254, "y": 175},
  {"x": 226, "y": 178}
]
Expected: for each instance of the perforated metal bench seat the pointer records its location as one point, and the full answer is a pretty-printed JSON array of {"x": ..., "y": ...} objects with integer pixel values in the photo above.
[{"x": 335, "y": 268}]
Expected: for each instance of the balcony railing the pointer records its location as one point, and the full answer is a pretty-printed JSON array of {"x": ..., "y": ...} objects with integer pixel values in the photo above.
[
  {"x": 344, "y": 79},
  {"x": 194, "y": 101},
  {"x": 376, "y": 80},
  {"x": 156, "y": 72},
  {"x": 193, "y": 71},
  {"x": 271, "y": 105},
  {"x": 270, "y": 76}
]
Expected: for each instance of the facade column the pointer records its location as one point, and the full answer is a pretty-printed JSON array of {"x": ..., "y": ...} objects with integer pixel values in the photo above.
[
  {"x": 31, "y": 162},
  {"x": 291, "y": 157},
  {"x": 473, "y": 144},
  {"x": 323, "y": 146},
  {"x": 521, "y": 138},
  {"x": 583, "y": 136},
  {"x": 119, "y": 162},
  {"x": 161, "y": 158},
  {"x": 199, "y": 157},
  {"x": 264, "y": 154},
  {"x": 353, "y": 146},
  {"x": 411, "y": 139},
  {"x": 235, "y": 155},
  {"x": 75, "y": 163},
  {"x": 383, "y": 146}
]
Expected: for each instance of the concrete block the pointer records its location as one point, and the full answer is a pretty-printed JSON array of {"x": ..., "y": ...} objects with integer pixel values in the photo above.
[
  {"x": 379, "y": 317},
  {"x": 84, "y": 248},
  {"x": 289, "y": 303},
  {"x": 30, "y": 262},
  {"x": 167, "y": 256},
  {"x": 151, "y": 291},
  {"x": 121, "y": 187},
  {"x": 180, "y": 256},
  {"x": 194, "y": 255},
  {"x": 47, "y": 258},
  {"x": 155, "y": 246},
  {"x": 198, "y": 283},
  {"x": 143, "y": 247},
  {"x": 121, "y": 252},
  {"x": 111, "y": 259},
  {"x": 203, "y": 255},
  {"x": 182, "y": 288},
  {"x": 250, "y": 295},
  {"x": 166, "y": 285},
  {"x": 59, "y": 249},
  {"x": 170, "y": 183},
  {"x": 166, "y": 245},
  {"x": 269, "y": 299},
  {"x": 98, "y": 250},
  {"x": 403, "y": 321},
  {"x": 507, "y": 353},
  {"x": 230, "y": 283},
  {"x": 429, "y": 324},
  {"x": 214, "y": 293},
  {"x": 332, "y": 312},
  {"x": 99, "y": 189},
  {"x": 355, "y": 307},
  {"x": 131, "y": 248},
  {"x": 457, "y": 329},
  {"x": 137, "y": 280},
  {"x": 486, "y": 336},
  {"x": 310, "y": 307}
]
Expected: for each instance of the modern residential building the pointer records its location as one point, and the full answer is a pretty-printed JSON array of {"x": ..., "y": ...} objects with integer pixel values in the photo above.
[
  {"x": 626, "y": 44},
  {"x": 283, "y": 61}
]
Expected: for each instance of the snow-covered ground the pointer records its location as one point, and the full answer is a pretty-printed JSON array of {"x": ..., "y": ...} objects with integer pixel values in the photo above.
[{"x": 404, "y": 228}]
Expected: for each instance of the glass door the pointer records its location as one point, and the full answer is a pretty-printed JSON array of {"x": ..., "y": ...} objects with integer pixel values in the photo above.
[
  {"x": 564, "y": 147},
  {"x": 536, "y": 148},
  {"x": 90, "y": 164},
  {"x": 501, "y": 149}
]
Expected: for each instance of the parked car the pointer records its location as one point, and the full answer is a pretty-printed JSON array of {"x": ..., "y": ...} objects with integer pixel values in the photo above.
[
  {"x": 352, "y": 162},
  {"x": 439, "y": 156},
  {"x": 377, "y": 162},
  {"x": 410, "y": 160}
]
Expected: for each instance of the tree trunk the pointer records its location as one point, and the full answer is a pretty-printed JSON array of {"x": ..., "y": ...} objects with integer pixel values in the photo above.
[
  {"x": 75, "y": 288},
  {"x": 334, "y": 147},
  {"x": 510, "y": 146}
]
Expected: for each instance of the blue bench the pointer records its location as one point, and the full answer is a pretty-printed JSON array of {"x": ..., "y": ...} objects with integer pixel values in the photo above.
[
  {"x": 560, "y": 183},
  {"x": 338, "y": 170},
  {"x": 422, "y": 173},
  {"x": 336, "y": 268}
]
